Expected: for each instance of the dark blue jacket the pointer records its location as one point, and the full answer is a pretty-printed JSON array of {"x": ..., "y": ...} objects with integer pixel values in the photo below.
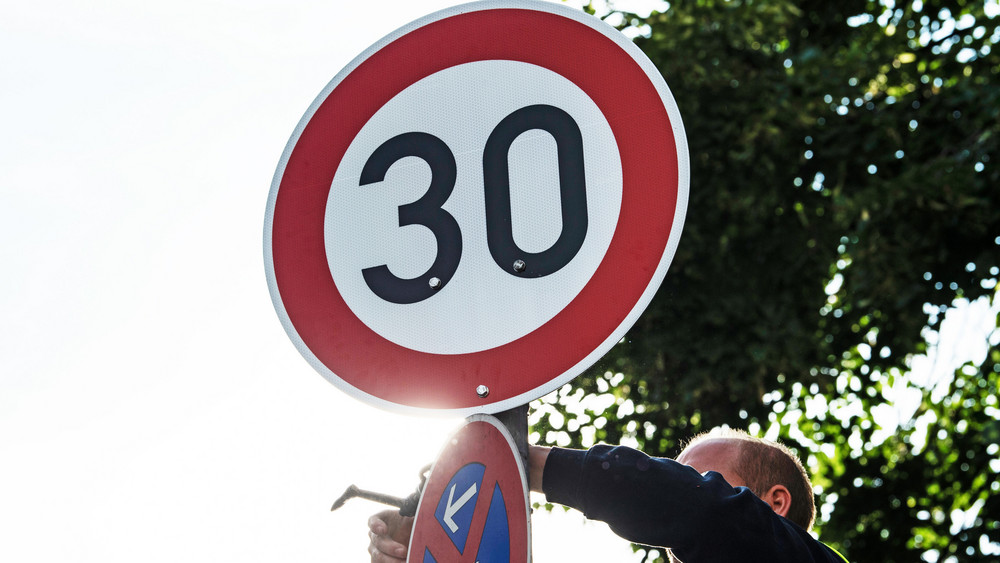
[{"x": 659, "y": 502}]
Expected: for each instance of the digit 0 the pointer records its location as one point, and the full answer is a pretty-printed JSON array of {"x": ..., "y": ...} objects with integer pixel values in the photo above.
[{"x": 572, "y": 191}]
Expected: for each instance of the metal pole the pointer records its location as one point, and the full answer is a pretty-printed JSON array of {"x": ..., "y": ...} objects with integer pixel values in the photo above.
[{"x": 516, "y": 422}]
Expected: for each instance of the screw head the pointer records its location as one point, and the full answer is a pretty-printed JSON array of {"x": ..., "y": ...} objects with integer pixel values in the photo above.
[
  {"x": 519, "y": 265},
  {"x": 482, "y": 391},
  {"x": 435, "y": 283}
]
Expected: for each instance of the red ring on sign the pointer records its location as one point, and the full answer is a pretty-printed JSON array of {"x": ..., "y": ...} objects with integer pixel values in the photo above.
[{"x": 380, "y": 368}]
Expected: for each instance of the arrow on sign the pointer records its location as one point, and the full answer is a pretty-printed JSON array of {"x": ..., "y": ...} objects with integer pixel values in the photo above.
[{"x": 454, "y": 506}]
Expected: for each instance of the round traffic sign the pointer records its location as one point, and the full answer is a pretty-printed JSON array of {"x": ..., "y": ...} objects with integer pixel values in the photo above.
[
  {"x": 474, "y": 506},
  {"x": 476, "y": 208}
]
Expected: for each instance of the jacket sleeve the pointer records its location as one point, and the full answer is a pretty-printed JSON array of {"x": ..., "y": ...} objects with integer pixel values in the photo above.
[{"x": 659, "y": 502}]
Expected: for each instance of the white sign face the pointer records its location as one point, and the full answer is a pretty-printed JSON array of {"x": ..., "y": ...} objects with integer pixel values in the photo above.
[
  {"x": 476, "y": 208},
  {"x": 362, "y": 227}
]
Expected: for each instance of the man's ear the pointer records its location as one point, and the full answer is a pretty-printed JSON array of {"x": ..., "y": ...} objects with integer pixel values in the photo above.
[{"x": 780, "y": 499}]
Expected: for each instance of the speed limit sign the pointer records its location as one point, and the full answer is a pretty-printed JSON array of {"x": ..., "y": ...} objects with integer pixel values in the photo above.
[{"x": 476, "y": 208}]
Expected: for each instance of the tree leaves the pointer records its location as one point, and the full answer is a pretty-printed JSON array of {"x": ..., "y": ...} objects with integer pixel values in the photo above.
[{"x": 844, "y": 193}]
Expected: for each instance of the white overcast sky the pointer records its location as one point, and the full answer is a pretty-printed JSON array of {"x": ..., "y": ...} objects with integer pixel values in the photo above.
[{"x": 151, "y": 406}]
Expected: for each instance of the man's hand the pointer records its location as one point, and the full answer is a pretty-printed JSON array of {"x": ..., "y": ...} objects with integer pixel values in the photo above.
[{"x": 390, "y": 536}]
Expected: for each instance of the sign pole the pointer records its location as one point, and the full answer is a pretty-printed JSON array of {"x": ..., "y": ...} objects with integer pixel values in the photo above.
[{"x": 516, "y": 422}]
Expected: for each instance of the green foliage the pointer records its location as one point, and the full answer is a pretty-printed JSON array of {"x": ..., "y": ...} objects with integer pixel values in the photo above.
[{"x": 845, "y": 191}]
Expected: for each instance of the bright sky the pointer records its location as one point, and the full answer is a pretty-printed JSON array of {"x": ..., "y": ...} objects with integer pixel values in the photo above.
[{"x": 151, "y": 406}]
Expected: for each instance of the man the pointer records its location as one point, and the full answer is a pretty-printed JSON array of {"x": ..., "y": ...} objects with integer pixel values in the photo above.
[{"x": 727, "y": 497}]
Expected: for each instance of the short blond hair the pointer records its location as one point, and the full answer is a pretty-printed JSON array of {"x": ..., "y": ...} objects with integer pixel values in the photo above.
[{"x": 764, "y": 464}]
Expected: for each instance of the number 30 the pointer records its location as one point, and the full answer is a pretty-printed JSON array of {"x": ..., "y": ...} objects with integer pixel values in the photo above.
[{"x": 427, "y": 210}]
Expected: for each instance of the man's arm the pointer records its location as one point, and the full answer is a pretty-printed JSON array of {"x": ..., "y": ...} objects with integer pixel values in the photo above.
[
  {"x": 659, "y": 502},
  {"x": 653, "y": 501}
]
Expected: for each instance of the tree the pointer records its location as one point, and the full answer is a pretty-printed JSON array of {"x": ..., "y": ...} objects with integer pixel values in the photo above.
[{"x": 845, "y": 192}]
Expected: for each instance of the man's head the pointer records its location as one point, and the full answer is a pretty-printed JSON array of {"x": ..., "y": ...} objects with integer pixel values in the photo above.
[{"x": 770, "y": 470}]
